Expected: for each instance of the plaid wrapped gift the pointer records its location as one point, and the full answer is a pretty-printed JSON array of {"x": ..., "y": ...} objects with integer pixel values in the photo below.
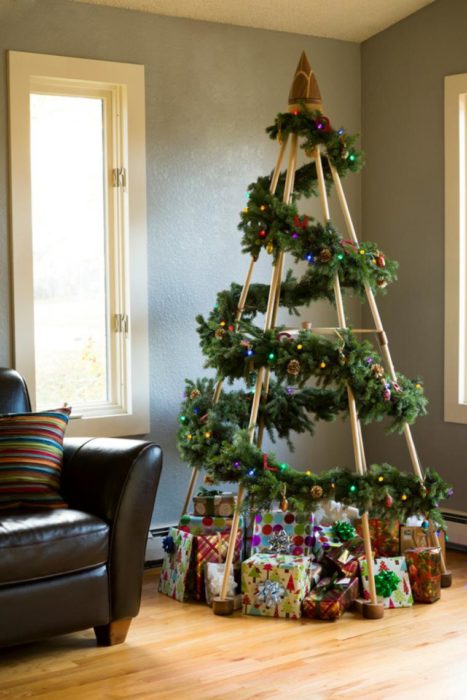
[
  {"x": 414, "y": 536},
  {"x": 222, "y": 504},
  {"x": 207, "y": 525},
  {"x": 391, "y": 580},
  {"x": 213, "y": 548},
  {"x": 424, "y": 566},
  {"x": 269, "y": 524},
  {"x": 384, "y": 535},
  {"x": 176, "y": 579},
  {"x": 274, "y": 585},
  {"x": 330, "y": 598}
]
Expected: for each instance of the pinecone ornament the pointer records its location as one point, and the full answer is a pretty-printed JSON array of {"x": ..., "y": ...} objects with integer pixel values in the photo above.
[
  {"x": 293, "y": 368},
  {"x": 316, "y": 491},
  {"x": 219, "y": 333},
  {"x": 378, "y": 371},
  {"x": 194, "y": 394},
  {"x": 325, "y": 255}
]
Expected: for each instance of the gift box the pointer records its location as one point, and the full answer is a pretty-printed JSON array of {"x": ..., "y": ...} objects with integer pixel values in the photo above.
[
  {"x": 212, "y": 548},
  {"x": 330, "y": 598},
  {"x": 413, "y": 537},
  {"x": 207, "y": 525},
  {"x": 424, "y": 567},
  {"x": 391, "y": 581},
  {"x": 283, "y": 533},
  {"x": 325, "y": 536},
  {"x": 216, "y": 504},
  {"x": 344, "y": 560},
  {"x": 213, "y": 580},
  {"x": 274, "y": 585},
  {"x": 384, "y": 536},
  {"x": 177, "y": 575}
]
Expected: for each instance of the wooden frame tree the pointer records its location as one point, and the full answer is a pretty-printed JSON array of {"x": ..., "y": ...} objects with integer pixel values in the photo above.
[{"x": 305, "y": 97}]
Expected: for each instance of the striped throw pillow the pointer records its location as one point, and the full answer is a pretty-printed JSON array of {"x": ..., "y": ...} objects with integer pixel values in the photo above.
[{"x": 31, "y": 457}]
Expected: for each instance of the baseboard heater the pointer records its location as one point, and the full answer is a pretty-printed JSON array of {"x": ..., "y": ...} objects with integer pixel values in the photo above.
[{"x": 455, "y": 520}]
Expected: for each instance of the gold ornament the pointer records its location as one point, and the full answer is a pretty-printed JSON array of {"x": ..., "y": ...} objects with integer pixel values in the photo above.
[
  {"x": 194, "y": 394},
  {"x": 293, "y": 368},
  {"x": 378, "y": 371},
  {"x": 269, "y": 248},
  {"x": 219, "y": 333},
  {"x": 209, "y": 479},
  {"x": 381, "y": 283},
  {"x": 316, "y": 491},
  {"x": 284, "y": 502},
  {"x": 325, "y": 255}
]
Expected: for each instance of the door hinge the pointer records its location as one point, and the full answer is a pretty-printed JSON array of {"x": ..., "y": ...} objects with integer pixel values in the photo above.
[
  {"x": 119, "y": 177},
  {"x": 121, "y": 323}
]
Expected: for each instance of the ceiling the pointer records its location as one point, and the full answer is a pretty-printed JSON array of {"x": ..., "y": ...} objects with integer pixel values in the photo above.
[{"x": 350, "y": 20}]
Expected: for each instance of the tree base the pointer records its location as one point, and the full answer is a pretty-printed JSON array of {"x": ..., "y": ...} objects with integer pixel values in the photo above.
[
  {"x": 446, "y": 579},
  {"x": 226, "y": 606},
  {"x": 368, "y": 610}
]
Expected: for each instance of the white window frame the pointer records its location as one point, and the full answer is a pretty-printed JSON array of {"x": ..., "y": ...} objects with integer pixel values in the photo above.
[
  {"x": 455, "y": 333},
  {"x": 121, "y": 86}
]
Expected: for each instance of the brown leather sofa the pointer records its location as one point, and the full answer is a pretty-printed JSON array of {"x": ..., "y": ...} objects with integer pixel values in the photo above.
[{"x": 64, "y": 570}]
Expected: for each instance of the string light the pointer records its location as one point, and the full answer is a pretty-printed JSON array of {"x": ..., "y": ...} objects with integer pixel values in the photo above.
[
  {"x": 299, "y": 346},
  {"x": 380, "y": 478},
  {"x": 271, "y": 356},
  {"x": 322, "y": 365}
]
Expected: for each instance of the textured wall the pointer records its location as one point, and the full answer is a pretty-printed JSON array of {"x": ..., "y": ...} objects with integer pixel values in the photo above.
[
  {"x": 211, "y": 90},
  {"x": 403, "y": 73}
]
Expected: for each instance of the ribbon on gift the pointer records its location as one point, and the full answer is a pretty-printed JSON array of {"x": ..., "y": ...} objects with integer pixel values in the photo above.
[
  {"x": 386, "y": 582},
  {"x": 280, "y": 543},
  {"x": 343, "y": 531},
  {"x": 270, "y": 593},
  {"x": 207, "y": 493}
]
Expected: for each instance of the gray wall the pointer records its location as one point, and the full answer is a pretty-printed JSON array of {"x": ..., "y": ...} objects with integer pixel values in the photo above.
[
  {"x": 210, "y": 92},
  {"x": 403, "y": 71}
]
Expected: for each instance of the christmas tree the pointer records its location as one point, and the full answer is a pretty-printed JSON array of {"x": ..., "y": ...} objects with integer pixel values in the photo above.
[{"x": 221, "y": 429}]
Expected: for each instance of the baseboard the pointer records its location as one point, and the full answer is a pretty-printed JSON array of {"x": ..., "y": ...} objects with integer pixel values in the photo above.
[
  {"x": 154, "y": 550},
  {"x": 457, "y": 529}
]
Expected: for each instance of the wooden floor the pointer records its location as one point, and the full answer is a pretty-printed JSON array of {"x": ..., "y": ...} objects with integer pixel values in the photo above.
[{"x": 183, "y": 652}]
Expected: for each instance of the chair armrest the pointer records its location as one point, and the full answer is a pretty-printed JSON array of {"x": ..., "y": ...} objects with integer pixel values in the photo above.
[{"x": 116, "y": 479}]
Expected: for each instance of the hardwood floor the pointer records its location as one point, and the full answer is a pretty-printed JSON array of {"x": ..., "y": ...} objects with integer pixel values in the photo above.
[{"x": 180, "y": 651}]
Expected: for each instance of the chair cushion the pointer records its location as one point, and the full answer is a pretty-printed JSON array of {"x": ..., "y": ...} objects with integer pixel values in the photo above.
[
  {"x": 39, "y": 543},
  {"x": 31, "y": 457}
]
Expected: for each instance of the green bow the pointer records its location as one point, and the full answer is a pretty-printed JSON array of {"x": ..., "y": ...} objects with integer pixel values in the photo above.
[{"x": 386, "y": 582}]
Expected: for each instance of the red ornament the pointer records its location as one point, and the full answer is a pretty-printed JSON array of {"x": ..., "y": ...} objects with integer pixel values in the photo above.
[
  {"x": 231, "y": 328},
  {"x": 262, "y": 233},
  {"x": 380, "y": 260},
  {"x": 388, "y": 501}
]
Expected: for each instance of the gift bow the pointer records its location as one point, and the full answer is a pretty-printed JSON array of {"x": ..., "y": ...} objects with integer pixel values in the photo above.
[
  {"x": 386, "y": 582},
  {"x": 280, "y": 543},
  {"x": 270, "y": 593},
  {"x": 207, "y": 493}
]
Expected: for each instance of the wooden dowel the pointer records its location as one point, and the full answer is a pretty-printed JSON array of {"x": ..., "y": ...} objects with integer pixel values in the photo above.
[
  {"x": 191, "y": 486},
  {"x": 277, "y": 169},
  {"x": 362, "y": 446},
  {"x": 322, "y": 186},
  {"x": 244, "y": 294},
  {"x": 435, "y": 542},
  {"x": 255, "y": 404},
  {"x": 232, "y": 541},
  {"x": 217, "y": 391},
  {"x": 369, "y": 558},
  {"x": 329, "y": 329}
]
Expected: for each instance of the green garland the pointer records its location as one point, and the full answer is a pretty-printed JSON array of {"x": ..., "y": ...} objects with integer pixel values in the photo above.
[{"x": 215, "y": 436}]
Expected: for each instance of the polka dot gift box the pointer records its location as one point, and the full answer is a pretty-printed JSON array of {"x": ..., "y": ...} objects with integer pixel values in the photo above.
[{"x": 269, "y": 525}]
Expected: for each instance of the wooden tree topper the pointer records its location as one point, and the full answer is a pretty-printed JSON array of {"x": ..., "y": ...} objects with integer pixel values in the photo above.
[{"x": 305, "y": 87}]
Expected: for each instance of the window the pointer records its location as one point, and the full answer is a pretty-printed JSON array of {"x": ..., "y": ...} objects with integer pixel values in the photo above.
[
  {"x": 455, "y": 372},
  {"x": 79, "y": 239}
]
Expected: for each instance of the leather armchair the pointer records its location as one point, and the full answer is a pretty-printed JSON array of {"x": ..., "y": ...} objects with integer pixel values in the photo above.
[{"x": 63, "y": 570}]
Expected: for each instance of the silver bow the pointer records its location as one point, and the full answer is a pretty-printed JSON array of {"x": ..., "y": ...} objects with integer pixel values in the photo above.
[
  {"x": 270, "y": 593},
  {"x": 280, "y": 543}
]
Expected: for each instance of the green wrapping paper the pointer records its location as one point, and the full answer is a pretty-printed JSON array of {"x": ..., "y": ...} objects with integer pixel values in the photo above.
[{"x": 424, "y": 566}]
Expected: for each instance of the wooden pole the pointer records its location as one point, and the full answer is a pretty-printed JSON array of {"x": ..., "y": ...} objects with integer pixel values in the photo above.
[
  {"x": 191, "y": 486},
  {"x": 357, "y": 441},
  {"x": 384, "y": 349}
]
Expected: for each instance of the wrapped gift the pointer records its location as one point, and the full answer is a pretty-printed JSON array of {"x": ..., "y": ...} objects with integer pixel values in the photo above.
[
  {"x": 415, "y": 536},
  {"x": 324, "y": 535},
  {"x": 272, "y": 526},
  {"x": 207, "y": 525},
  {"x": 215, "y": 504},
  {"x": 424, "y": 567},
  {"x": 345, "y": 559},
  {"x": 330, "y": 598},
  {"x": 391, "y": 581},
  {"x": 213, "y": 548},
  {"x": 384, "y": 535},
  {"x": 176, "y": 579},
  {"x": 213, "y": 580},
  {"x": 274, "y": 585}
]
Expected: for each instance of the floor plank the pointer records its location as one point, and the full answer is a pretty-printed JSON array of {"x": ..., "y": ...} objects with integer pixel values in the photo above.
[{"x": 181, "y": 651}]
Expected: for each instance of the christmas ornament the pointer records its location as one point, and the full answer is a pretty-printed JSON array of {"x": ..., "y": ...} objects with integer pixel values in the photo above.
[
  {"x": 284, "y": 505},
  {"x": 209, "y": 479},
  {"x": 386, "y": 582},
  {"x": 380, "y": 260},
  {"x": 194, "y": 394},
  {"x": 343, "y": 531},
  {"x": 381, "y": 282},
  {"x": 293, "y": 368},
  {"x": 325, "y": 255},
  {"x": 377, "y": 370},
  {"x": 280, "y": 543},
  {"x": 388, "y": 501},
  {"x": 219, "y": 333},
  {"x": 316, "y": 491},
  {"x": 270, "y": 593},
  {"x": 269, "y": 248},
  {"x": 387, "y": 394}
]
